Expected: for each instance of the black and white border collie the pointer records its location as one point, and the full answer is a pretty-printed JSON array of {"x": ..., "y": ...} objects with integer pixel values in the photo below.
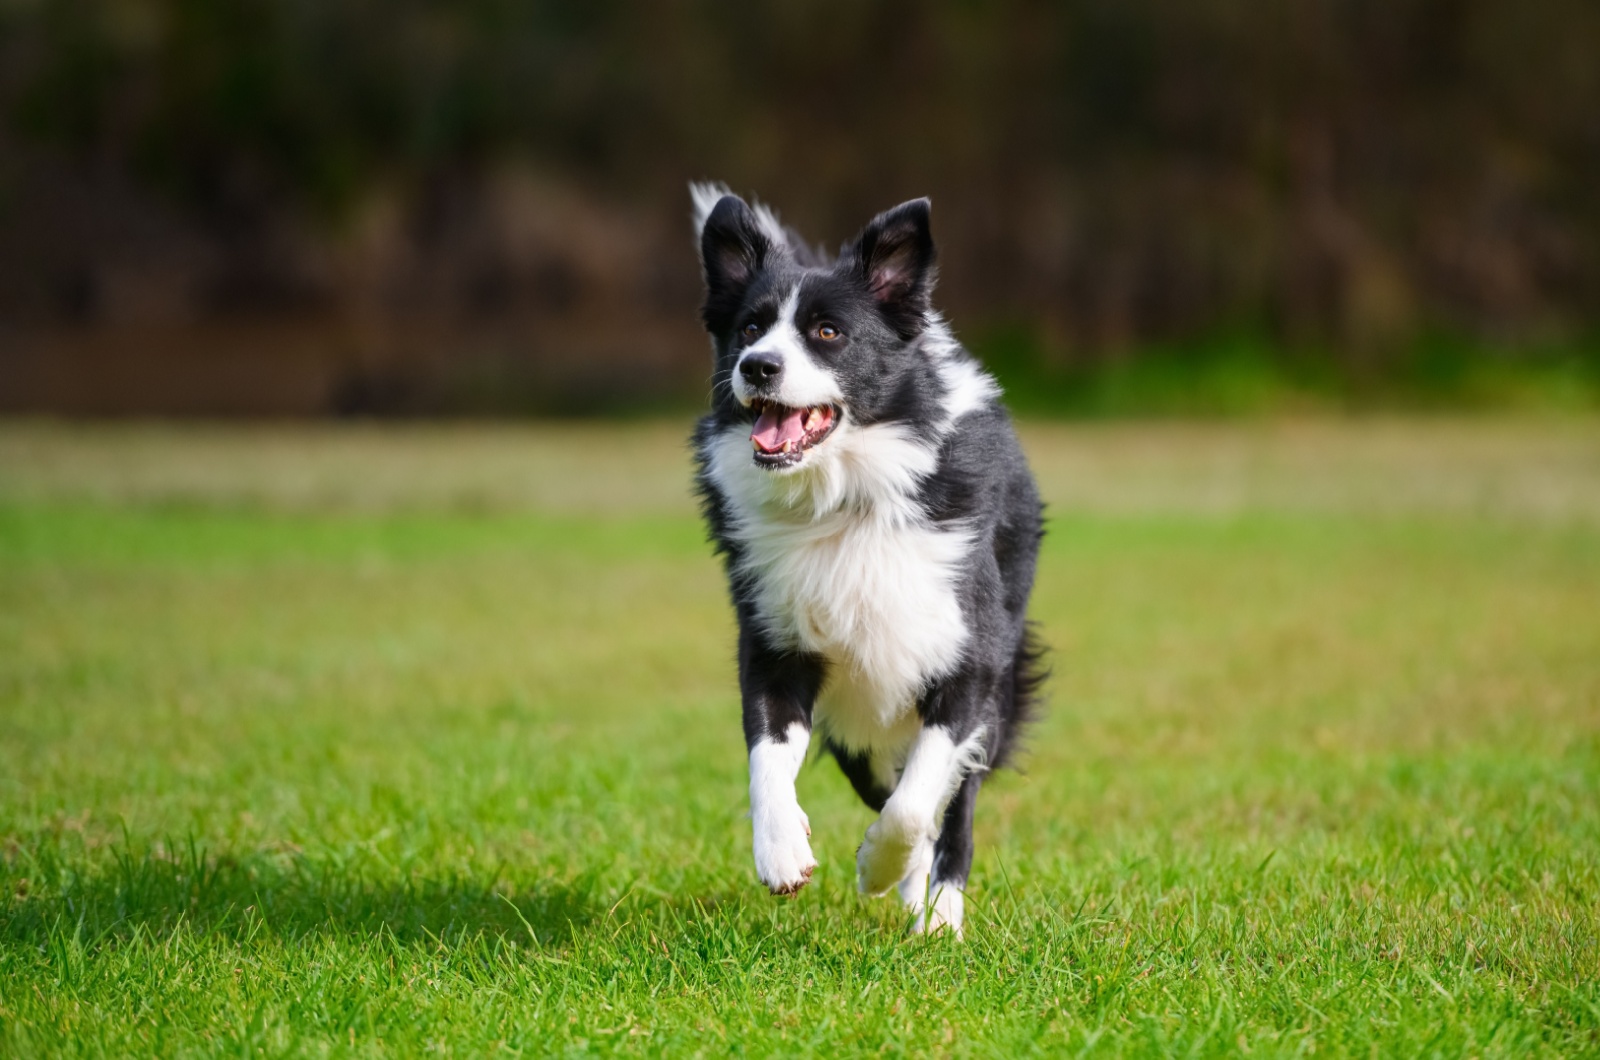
[{"x": 880, "y": 529}]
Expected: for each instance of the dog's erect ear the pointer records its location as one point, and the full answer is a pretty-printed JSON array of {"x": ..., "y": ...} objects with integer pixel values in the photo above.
[
  {"x": 732, "y": 243},
  {"x": 894, "y": 257},
  {"x": 733, "y": 248}
]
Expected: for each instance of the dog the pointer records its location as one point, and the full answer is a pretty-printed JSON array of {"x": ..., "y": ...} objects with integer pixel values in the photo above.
[{"x": 879, "y": 526}]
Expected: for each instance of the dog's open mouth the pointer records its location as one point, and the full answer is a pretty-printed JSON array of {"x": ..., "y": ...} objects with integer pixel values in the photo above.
[{"x": 782, "y": 435}]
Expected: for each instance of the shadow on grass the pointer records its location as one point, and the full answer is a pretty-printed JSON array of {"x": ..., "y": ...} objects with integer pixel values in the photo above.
[{"x": 153, "y": 893}]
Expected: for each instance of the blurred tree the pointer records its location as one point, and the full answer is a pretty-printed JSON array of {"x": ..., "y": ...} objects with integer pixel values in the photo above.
[{"x": 1348, "y": 175}]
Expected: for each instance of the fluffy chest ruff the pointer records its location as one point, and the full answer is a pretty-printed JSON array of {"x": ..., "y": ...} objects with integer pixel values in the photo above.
[{"x": 836, "y": 559}]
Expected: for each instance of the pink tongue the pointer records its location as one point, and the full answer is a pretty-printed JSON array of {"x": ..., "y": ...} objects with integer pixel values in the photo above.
[{"x": 775, "y": 426}]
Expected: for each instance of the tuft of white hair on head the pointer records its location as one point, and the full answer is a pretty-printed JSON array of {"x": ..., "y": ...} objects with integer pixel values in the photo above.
[{"x": 705, "y": 194}]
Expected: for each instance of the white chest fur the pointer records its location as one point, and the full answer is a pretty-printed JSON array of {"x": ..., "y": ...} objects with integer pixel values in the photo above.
[{"x": 843, "y": 566}]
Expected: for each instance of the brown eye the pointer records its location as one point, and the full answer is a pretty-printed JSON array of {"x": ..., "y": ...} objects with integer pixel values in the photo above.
[
  {"x": 750, "y": 330},
  {"x": 827, "y": 332}
]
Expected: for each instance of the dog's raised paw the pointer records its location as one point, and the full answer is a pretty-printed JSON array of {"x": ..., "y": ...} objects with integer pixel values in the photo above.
[
  {"x": 783, "y": 852},
  {"x": 886, "y": 856},
  {"x": 789, "y": 890}
]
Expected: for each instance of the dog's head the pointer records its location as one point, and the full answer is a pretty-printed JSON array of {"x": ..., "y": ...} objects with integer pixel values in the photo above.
[{"x": 803, "y": 344}]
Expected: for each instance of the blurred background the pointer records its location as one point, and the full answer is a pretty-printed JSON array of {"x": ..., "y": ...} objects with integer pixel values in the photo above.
[{"x": 351, "y": 207}]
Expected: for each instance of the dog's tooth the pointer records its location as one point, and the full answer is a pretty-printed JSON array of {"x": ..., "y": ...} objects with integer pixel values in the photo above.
[{"x": 787, "y": 446}]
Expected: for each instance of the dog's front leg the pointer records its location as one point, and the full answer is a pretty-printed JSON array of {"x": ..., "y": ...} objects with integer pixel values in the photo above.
[
  {"x": 780, "y": 828},
  {"x": 900, "y": 847},
  {"x": 778, "y": 689}
]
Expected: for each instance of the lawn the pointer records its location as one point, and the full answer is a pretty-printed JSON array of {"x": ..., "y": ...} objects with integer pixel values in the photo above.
[{"x": 385, "y": 741}]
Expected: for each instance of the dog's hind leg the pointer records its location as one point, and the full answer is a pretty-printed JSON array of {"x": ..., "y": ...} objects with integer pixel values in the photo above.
[{"x": 939, "y": 897}]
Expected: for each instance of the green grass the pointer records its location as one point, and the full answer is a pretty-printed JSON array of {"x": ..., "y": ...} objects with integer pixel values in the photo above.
[{"x": 363, "y": 741}]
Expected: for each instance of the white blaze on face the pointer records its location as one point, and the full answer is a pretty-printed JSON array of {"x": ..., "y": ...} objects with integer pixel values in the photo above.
[
  {"x": 803, "y": 383},
  {"x": 781, "y": 831}
]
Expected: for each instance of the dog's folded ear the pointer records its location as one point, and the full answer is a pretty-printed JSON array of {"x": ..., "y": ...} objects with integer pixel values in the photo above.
[
  {"x": 894, "y": 258},
  {"x": 733, "y": 248}
]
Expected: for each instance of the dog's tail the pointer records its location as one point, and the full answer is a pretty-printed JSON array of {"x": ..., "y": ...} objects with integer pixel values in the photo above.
[{"x": 1026, "y": 701}]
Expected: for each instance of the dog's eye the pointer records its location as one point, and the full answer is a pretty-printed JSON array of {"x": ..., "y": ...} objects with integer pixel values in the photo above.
[
  {"x": 750, "y": 330},
  {"x": 827, "y": 332}
]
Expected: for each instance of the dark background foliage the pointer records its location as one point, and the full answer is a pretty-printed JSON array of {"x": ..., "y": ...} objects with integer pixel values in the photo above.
[{"x": 318, "y": 206}]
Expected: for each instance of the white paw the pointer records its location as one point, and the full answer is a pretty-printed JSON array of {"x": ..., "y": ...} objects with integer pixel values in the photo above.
[
  {"x": 945, "y": 909},
  {"x": 893, "y": 848},
  {"x": 782, "y": 849}
]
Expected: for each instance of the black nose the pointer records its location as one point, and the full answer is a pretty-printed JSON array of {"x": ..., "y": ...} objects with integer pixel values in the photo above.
[{"x": 759, "y": 368}]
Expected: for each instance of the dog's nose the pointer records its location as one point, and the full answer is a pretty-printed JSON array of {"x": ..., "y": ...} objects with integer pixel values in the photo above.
[{"x": 760, "y": 368}]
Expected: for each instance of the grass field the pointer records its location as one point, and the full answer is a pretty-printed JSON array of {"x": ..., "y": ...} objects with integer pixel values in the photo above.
[{"x": 364, "y": 741}]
